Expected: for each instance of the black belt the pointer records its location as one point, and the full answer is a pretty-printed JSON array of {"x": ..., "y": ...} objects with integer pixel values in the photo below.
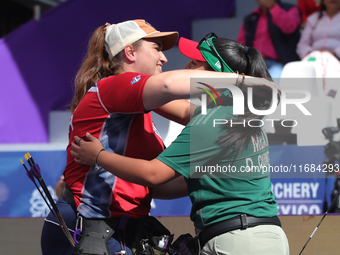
[
  {"x": 239, "y": 222},
  {"x": 69, "y": 197}
]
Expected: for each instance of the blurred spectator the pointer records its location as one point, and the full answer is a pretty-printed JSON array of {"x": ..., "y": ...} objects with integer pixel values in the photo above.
[
  {"x": 274, "y": 29},
  {"x": 59, "y": 187},
  {"x": 307, "y": 7},
  {"x": 320, "y": 43}
]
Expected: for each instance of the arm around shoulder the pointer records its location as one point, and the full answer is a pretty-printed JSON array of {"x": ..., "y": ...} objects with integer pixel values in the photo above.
[
  {"x": 165, "y": 87},
  {"x": 143, "y": 172}
]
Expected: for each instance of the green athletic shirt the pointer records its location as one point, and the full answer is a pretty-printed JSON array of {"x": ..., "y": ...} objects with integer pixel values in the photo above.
[{"x": 220, "y": 187}]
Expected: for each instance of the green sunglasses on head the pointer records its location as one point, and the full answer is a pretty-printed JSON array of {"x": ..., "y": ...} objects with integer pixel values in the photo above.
[{"x": 211, "y": 55}]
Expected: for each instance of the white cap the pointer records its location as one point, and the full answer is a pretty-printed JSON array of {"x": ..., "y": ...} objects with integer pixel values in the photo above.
[{"x": 117, "y": 36}]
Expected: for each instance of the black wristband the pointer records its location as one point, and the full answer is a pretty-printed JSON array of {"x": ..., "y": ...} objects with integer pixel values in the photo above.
[{"x": 98, "y": 155}]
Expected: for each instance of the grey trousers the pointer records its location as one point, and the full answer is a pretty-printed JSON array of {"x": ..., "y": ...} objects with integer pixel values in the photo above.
[{"x": 259, "y": 240}]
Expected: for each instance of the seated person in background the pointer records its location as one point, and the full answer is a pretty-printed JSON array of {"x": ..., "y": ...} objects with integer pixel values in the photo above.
[
  {"x": 320, "y": 43},
  {"x": 273, "y": 29},
  {"x": 307, "y": 7}
]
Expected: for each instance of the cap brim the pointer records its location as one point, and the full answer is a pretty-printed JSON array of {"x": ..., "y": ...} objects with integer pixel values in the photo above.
[
  {"x": 169, "y": 39},
  {"x": 189, "y": 49}
]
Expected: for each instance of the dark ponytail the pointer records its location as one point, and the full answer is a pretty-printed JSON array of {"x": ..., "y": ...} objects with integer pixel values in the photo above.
[
  {"x": 250, "y": 62},
  {"x": 322, "y": 9}
]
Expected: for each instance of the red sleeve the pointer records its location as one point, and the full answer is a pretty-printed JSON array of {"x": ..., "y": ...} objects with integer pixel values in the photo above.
[
  {"x": 123, "y": 93},
  {"x": 302, "y": 6},
  {"x": 307, "y": 7}
]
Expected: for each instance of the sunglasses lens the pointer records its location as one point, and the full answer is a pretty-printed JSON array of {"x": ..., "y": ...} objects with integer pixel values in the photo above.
[
  {"x": 202, "y": 41},
  {"x": 207, "y": 37}
]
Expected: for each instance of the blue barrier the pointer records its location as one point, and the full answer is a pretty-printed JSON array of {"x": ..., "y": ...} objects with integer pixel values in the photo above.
[{"x": 298, "y": 193}]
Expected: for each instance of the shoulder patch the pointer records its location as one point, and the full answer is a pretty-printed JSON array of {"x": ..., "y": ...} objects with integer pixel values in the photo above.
[{"x": 135, "y": 79}]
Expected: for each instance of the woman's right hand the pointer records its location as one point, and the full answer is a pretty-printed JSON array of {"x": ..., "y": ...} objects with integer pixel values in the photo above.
[{"x": 85, "y": 152}]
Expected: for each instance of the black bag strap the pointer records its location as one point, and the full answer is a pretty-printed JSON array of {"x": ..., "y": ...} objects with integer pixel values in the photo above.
[
  {"x": 95, "y": 237},
  {"x": 185, "y": 244}
]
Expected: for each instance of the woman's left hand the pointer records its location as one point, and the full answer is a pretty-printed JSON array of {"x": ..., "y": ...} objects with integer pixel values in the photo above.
[{"x": 85, "y": 152}]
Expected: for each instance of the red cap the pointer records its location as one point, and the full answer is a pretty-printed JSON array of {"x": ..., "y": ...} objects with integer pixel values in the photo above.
[{"x": 190, "y": 49}]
